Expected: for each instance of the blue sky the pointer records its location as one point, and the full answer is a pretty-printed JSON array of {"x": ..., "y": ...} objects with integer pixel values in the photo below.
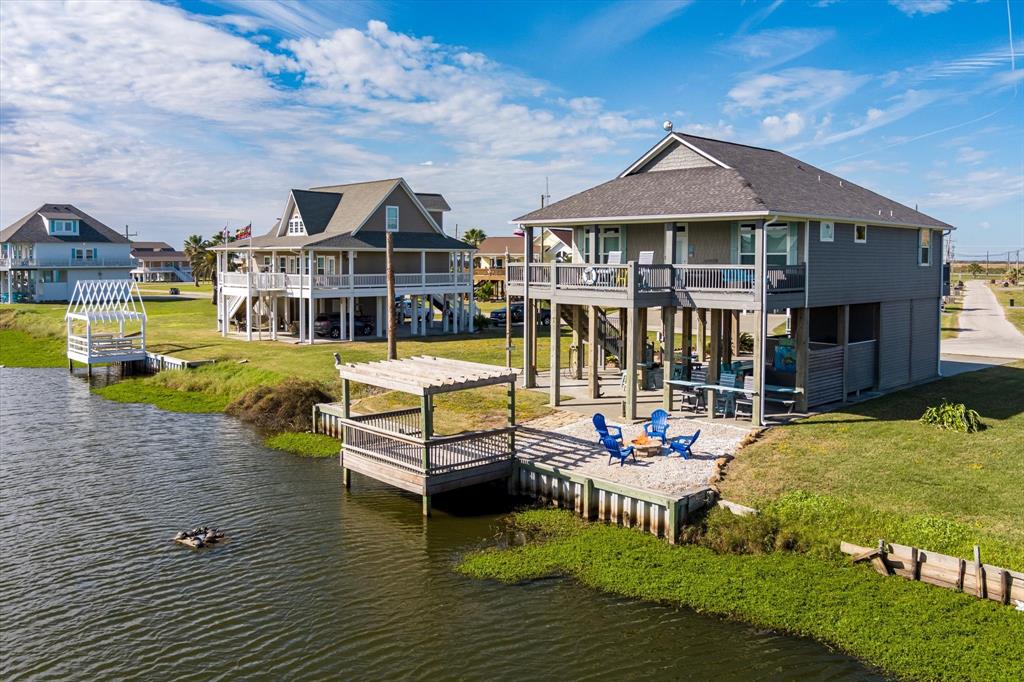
[{"x": 180, "y": 117}]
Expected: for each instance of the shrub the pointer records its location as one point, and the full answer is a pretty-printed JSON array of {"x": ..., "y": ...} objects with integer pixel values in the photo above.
[
  {"x": 746, "y": 343},
  {"x": 727, "y": 533},
  {"x": 953, "y": 417},
  {"x": 485, "y": 291},
  {"x": 481, "y": 321},
  {"x": 287, "y": 406}
]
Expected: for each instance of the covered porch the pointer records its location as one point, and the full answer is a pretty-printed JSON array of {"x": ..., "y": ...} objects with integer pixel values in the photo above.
[{"x": 399, "y": 447}]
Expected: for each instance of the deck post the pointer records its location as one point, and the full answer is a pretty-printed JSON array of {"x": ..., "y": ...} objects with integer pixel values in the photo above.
[
  {"x": 715, "y": 357},
  {"x": 577, "y": 339},
  {"x": 668, "y": 338},
  {"x": 727, "y": 349},
  {"x": 595, "y": 353},
  {"x": 351, "y": 310},
  {"x": 426, "y": 433},
  {"x": 672, "y": 531},
  {"x": 556, "y": 352},
  {"x": 624, "y": 324},
  {"x": 529, "y": 328},
  {"x": 801, "y": 329},
  {"x": 736, "y": 332},
  {"x": 687, "y": 339},
  {"x": 632, "y": 348},
  {"x": 346, "y": 406},
  {"x": 761, "y": 333},
  {"x": 843, "y": 334},
  {"x": 702, "y": 333}
]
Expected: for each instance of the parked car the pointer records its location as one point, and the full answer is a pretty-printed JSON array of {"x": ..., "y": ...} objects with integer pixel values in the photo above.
[
  {"x": 330, "y": 325},
  {"x": 403, "y": 307},
  {"x": 498, "y": 315}
]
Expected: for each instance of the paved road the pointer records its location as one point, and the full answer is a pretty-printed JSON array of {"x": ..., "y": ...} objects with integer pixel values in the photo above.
[{"x": 984, "y": 329}]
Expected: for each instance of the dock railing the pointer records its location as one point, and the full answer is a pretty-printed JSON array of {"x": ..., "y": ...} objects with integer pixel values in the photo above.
[{"x": 379, "y": 437}]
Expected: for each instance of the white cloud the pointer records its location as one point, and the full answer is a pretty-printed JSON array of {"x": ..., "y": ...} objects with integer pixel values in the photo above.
[
  {"x": 621, "y": 23},
  {"x": 970, "y": 155},
  {"x": 773, "y": 47},
  {"x": 720, "y": 130},
  {"x": 778, "y": 129},
  {"x": 912, "y": 7},
  {"x": 162, "y": 119},
  {"x": 978, "y": 189},
  {"x": 815, "y": 88},
  {"x": 902, "y": 106}
]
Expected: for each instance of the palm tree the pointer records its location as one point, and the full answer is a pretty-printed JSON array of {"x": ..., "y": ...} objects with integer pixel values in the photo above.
[
  {"x": 474, "y": 236},
  {"x": 196, "y": 250}
]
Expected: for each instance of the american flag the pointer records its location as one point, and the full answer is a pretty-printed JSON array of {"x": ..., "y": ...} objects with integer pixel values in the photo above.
[{"x": 244, "y": 232}]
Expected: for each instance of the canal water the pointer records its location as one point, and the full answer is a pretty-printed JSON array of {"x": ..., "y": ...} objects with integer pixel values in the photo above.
[{"x": 315, "y": 582}]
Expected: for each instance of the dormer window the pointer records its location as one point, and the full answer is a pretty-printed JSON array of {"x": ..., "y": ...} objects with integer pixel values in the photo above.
[
  {"x": 391, "y": 218},
  {"x": 295, "y": 225},
  {"x": 61, "y": 227}
]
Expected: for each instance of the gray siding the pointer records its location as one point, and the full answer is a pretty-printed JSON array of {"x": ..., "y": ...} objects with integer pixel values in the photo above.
[
  {"x": 883, "y": 269},
  {"x": 824, "y": 375},
  {"x": 711, "y": 243},
  {"x": 644, "y": 238},
  {"x": 675, "y": 157},
  {"x": 410, "y": 219},
  {"x": 860, "y": 367},
  {"x": 894, "y": 343},
  {"x": 924, "y": 342}
]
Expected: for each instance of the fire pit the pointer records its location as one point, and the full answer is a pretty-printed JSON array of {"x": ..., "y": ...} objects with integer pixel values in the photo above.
[{"x": 646, "y": 447}]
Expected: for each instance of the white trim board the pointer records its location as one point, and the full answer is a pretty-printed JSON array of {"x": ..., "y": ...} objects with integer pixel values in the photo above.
[{"x": 660, "y": 146}]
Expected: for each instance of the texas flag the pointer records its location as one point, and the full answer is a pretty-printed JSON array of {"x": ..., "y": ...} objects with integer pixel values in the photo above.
[{"x": 244, "y": 232}]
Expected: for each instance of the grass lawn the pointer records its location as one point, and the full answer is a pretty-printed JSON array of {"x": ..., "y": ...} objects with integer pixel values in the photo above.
[
  {"x": 33, "y": 335},
  {"x": 305, "y": 444},
  {"x": 909, "y": 629},
  {"x": 872, "y": 470},
  {"x": 1016, "y": 314},
  {"x": 951, "y": 319}
]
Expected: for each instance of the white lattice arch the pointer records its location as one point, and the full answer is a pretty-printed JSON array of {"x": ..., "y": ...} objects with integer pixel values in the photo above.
[{"x": 106, "y": 322}]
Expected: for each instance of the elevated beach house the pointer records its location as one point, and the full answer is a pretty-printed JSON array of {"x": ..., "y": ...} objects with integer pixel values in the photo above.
[
  {"x": 494, "y": 253},
  {"x": 45, "y": 253},
  {"x": 321, "y": 268},
  {"x": 160, "y": 262},
  {"x": 717, "y": 232}
]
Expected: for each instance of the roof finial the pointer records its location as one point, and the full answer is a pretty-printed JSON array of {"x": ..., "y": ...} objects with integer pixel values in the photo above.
[{"x": 667, "y": 125}]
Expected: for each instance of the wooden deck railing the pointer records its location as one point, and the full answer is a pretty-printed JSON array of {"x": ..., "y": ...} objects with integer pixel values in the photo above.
[
  {"x": 658, "y": 277},
  {"x": 363, "y": 436}
]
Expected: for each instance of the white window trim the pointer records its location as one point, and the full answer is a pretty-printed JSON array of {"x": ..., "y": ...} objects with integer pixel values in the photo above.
[
  {"x": 753, "y": 228},
  {"x": 860, "y": 241},
  {"x": 920, "y": 261},
  {"x": 831, "y": 234},
  {"x": 387, "y": 219}
]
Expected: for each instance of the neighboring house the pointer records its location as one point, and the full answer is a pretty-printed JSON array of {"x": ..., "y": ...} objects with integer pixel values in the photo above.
[
  {"x": 549, "y": 246},
  {"x": 45, "y": 253},
  {"x": 325, "y": 257},
  {"x": 160, "y": 262},
  {"x": 712, "y": 229}
]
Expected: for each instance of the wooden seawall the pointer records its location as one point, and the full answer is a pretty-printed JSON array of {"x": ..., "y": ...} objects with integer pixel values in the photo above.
[{"x": 596, "y": 499}]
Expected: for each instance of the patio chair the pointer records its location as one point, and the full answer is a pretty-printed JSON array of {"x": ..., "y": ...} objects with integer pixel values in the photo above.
[
  {"x": 604, "y": 429},
  {"x": 693, "y": 398},
  {"x": 745, "y": 403},
  {"x": 682, "y": 444},
  {"x": 725, "y": 401},
  {"x": 658, "y": 426},
  {"x": 616, "y": 451}
]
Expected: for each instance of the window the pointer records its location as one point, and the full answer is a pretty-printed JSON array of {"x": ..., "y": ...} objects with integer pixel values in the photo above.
[
  {"x": 83, "y": 254},
  {"x": 63, "y": 227},
  {"x": 295, "y": 225},
  {"x": 391, "y": 218},
  {"x": 321, "y": 264},
  {"x": 267, "y": 263},
  {"x": 776, "y": 244},
  {"x": 608, "y": 241},
  {"x": 828, "y": 232},
  {"x": 860, "y": 234},
  {"x": 281, "y": 264},
  {"x": 924, "y": 247}
]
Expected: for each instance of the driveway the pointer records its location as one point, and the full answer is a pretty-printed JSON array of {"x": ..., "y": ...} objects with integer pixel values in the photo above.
[{"x": 984, "y": 329}]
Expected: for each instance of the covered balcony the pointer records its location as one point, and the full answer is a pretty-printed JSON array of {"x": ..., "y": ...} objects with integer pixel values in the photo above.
[{"x": 727, "y": 285}]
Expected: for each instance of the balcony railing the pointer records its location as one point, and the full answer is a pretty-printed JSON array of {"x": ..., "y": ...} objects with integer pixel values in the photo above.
[
  {"x": 656, "y": 278},
  {"x": 277, "y": 280},
  {"x": 18, "y": 263}
]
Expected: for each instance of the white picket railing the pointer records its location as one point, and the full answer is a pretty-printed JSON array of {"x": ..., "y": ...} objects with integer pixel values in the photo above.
[{"x": 266, "y": 281}]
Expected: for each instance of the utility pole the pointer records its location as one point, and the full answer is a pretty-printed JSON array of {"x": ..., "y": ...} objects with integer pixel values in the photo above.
[
  {"x": 390, "y": 275},
  {"x": 129, "y": 235}
]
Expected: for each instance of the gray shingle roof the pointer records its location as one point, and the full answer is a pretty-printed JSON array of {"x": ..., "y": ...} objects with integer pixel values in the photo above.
[
  {"x": 757, "y": 181},
  {"x": 31, "y": 227},
  {"x": 316, "y": 208},
  {"x": 433, "y": 202}
]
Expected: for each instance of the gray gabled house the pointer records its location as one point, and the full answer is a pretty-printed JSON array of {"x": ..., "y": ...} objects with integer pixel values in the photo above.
[{"x": 712, "y": 230}]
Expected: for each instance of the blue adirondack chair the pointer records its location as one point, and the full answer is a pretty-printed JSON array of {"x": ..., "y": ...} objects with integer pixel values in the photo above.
[
  {"x": 658, "y": 426},
  {"x": 682, "y": 444},
  {"x": 616, "y": 451},
  {"x": 605, "y": 430}
]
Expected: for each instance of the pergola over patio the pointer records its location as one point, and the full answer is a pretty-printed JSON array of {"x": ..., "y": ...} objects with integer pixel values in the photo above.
[{"x": 399, "y": 447}]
